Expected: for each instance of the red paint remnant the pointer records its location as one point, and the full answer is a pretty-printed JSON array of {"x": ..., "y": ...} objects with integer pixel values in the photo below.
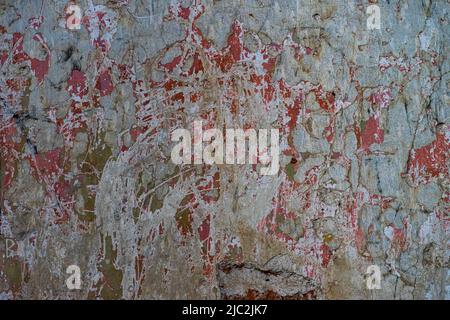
[
  {"x": 47, "y": 169},
  {"x": 235, "y": 41},
  {"x": 399, "y": 239},
  {"x": 430, "y": 161},
  {"x": 446, "y": 197},
  {"x": 76, "y": 85},
  {"x": 325, "y": 99},
  {"x": 40, "y": 68},
  {"x": 18, "y": 55},
  {"x": 233, "y": 51},
  {"x": 47, "y": 163},
  {"x": 359, "y": 239},
  {"x": 328, "y": 132},
  {"x": 378, "y": 200},
  {"x": 210, "y": 183},
  {"x": 104, "y": 83},
  {"x": 101, "y": 23},
  {"x": 36, "y": 22},
  {"x": 9, "y": 154},
  {"x": 178, "y": 97},
  {"x": 14, "y": 84},
  {"x": 279, "y": 214},
  {"x": 135, "y": 132},
  {"x": 372, "y": 133},
  {"x": 171, "y": 65},
  {"x": 3, "y": 57},
  {"x": 401, "y": 63},
  {"x": 351, "y": 208},
  {"x": 194, "y": 97},
  {"x": 203, "y": 229},
  {"x": 197, "y": 65},
  {"x": 382, "y": 97},
  {"x": 268, "y": 91},
  {"x": 293, "y": 113},
  {"x": 285, "y": 90},
  {"x": 185, "y": 13},
  {"x": 326, "y": 254},
  {"x": 205, "y": 237},
  {"x": 125, "y": 73}
]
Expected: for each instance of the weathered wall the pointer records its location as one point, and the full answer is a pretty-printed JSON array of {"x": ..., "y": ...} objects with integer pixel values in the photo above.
[{"x": 86, "y": 175}]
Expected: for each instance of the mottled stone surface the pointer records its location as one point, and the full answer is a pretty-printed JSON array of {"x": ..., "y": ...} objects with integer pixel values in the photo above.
[{"x": 86, "y": 175}]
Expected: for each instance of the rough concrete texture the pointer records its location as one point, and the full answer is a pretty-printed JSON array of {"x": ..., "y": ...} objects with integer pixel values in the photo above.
[{"x": 86, "y": 175}]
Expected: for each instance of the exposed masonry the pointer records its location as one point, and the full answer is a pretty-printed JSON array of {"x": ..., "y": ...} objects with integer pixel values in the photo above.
[
  {"x": 86, "y": 177},
  {"x": 247, "y": 281}
]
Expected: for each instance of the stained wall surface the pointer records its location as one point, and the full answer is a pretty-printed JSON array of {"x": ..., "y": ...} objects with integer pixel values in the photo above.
[{"x": 87, "y": 178}]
